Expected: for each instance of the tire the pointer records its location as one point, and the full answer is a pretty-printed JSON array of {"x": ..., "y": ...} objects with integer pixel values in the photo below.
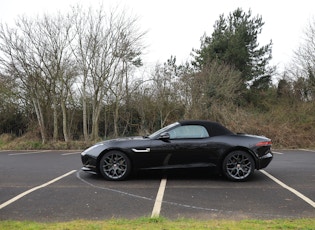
[
  {"x": 115, "y": 166},
  {"x": 238, "y": 166}
]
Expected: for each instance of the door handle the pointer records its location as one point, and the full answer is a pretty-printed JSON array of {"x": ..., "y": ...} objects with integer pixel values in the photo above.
[{"x": 147, "y": 150}]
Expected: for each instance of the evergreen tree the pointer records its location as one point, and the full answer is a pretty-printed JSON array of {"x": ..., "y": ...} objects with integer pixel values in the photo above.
[{"x": 234, "y": 42}]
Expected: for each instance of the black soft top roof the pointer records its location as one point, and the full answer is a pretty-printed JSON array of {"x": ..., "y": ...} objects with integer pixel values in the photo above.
[{"x": 213, "y": 128}]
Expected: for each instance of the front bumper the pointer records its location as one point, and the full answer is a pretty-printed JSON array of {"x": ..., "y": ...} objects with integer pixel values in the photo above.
[
  {"x": 89, "y": 163},
  {"x": 89, "y": 169}
]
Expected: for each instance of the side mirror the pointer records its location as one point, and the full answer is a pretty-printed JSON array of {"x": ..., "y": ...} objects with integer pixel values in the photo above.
[{"x": 164, "y": 136}]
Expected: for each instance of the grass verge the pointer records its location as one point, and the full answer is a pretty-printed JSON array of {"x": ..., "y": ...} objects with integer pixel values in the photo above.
[{"x": 162, "y": 223}]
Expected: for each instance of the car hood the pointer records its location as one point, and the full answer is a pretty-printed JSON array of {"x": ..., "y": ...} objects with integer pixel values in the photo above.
[{"x": 123, "y": 139}]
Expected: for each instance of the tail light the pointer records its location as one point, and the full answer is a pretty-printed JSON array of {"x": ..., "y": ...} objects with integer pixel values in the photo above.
[{"x": 264, "y": 143}]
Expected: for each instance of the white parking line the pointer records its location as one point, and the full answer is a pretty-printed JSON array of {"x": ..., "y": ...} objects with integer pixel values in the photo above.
[
  {"x": 159, "y": 199},
  {"x": 307, "y": 150},
  {"x": 66, "y": 154},
  {"x": 277, "y": 152},
  {"x": 34, "y": 189},
  {"x": 297, "y": 193},
  {"x": 26, "y": 153}
]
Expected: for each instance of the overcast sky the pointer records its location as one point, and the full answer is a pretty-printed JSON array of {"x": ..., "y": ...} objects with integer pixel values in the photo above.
[{"x": 175, "y": 26}]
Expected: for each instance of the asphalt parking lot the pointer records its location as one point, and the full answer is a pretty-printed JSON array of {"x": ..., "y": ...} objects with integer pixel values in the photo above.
[{"x": 49, "y": 186}]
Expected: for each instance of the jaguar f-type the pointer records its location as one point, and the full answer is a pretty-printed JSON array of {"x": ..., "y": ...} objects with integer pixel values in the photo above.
[{"x": 181, "y": 145}]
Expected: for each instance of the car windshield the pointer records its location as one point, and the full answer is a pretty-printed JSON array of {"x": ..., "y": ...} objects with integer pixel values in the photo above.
[{"x": 160, "y": 131}]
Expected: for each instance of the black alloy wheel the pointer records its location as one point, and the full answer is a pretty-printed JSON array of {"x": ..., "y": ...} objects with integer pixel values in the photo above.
[
  {"x": 238, "y": 166},
  {"x": 115, "y": 165}
]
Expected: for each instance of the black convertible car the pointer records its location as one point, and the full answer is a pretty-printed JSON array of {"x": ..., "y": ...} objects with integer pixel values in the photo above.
[{"x": 184, "y": 144}]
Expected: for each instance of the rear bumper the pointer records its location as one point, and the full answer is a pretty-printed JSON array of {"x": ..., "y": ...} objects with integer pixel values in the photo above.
[{"x": 265, "y": 160}]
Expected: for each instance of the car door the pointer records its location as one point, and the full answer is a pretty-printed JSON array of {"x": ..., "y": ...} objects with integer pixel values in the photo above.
[
  {"x": 154, "y": 154},
  {"x": 192, "y": 147}
]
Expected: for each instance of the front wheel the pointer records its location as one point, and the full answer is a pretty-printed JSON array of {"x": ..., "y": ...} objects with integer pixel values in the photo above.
[
  {"x": 115, "y": 165},
  {"x": 238, "y": 166}
]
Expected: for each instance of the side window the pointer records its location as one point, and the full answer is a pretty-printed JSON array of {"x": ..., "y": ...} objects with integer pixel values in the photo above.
[{"x": 188, "y": 131}]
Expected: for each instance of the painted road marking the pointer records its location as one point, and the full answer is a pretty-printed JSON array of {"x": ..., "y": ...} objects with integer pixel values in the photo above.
[
  {"x": 44, "y": 151},
  {"x": 297, "y": 193},
  {"x": 277, "y": 152},
  {"x": 33, "y": 189},
  {"x": 307, "y": 150},
  {"x": 66, "y": 154},
  {"x": 26, "y": 153},
  {"x": 159, "y": 199}
]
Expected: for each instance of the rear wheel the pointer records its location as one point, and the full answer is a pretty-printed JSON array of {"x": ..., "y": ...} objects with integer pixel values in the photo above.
[
  {"x": 238, "y": 166},
  {"x": 115, "y": 165}
]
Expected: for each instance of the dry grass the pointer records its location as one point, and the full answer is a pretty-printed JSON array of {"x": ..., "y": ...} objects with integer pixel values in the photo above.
[
  {"x": 289, "y": 126},
  {"x": 25, "y": 143}
]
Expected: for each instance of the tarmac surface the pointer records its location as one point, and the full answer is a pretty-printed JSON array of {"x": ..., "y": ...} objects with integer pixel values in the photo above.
[{"x": 50, "y": 186}]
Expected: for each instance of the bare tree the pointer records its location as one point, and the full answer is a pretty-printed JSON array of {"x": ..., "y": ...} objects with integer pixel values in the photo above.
[
  {"x": 304, "y": 64},
  {"x": 38, "y": 52},
  {"x": 105, "y": 47},
  {"x": 216, "y": 86},
  {"x": 166, "y": 90},
  {"x": 50, "y": 37},
  {"x": 18, "y": 59}
]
